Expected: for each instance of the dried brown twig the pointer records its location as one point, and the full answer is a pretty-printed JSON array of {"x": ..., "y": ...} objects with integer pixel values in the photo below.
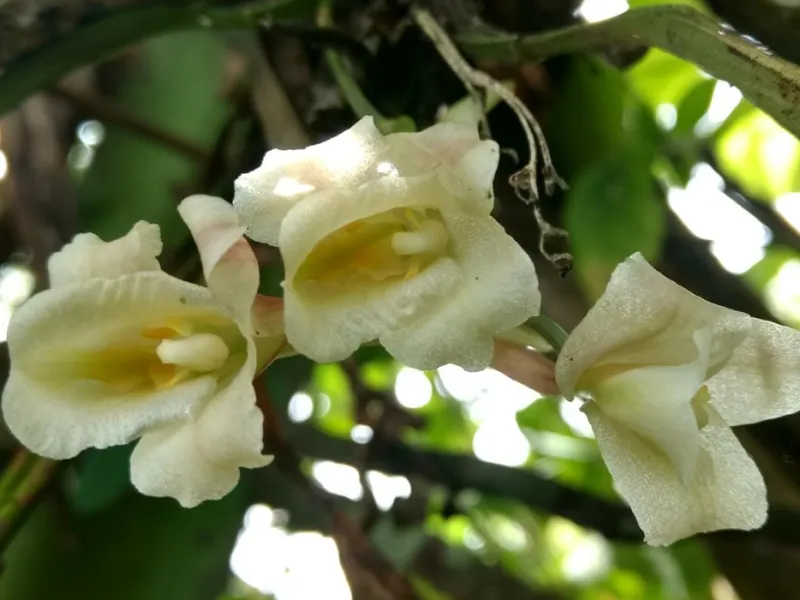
[{"x": 524, "y": 181}]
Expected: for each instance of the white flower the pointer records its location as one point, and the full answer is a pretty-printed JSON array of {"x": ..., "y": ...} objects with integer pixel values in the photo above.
[
  {"x": 391, "y": 238},
  {"x": 118, "y": 350},
  {"x": 668, "y": 374}
]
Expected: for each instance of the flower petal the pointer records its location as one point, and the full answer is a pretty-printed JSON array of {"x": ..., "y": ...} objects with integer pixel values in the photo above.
[
  {"x": 762, "y": 379},
  {"x": 87, "y": 256},
  {"x": 331, "y": 331},
  {"x": 332, "y": 327},
  {"x": 199, "y": 459},
  {"x": 655, "y": 403},
  {"x": 498, "y": 290},
  {"x": 264, "y": 196},
  {"x": 466, "y": 163},
  {"x": 229, "y": 265},
  {"x": 644, "y": 318},
  {"x": 726, "y": 491},
  {"x": 56, "y": 401},
  {"x": 451, "y": 309}
]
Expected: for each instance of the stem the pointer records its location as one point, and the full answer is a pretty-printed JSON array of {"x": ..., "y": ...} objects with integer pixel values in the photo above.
[
  {"x": 102, "y": 39},
  {"x": 20, "y": 487},
  {"x": 352, "y": 93},
  {"x": 549, "y": 330},
  {"x": 526, "y": 336}
]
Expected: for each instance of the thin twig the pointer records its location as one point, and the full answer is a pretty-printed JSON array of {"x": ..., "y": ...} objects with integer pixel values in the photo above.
[
  {"x": 380, "y": 412},
  {"x": 105, "y": 110},
  {"x": 370, "y": 576},
  {"x": 524, "y": 181}
]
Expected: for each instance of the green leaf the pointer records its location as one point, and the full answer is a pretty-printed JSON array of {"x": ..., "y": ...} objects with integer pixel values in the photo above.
[
  {"x": 662, "y": 78},
  {"x": 760, "y": 155},
  {"x": 760, "y": 274},
  {"x": 694, "y": 105},
  {"x": 175, "y": 86},
  {"x": 425, "y": 590},
  {"x": 142, "y": 548},
  {"x": 285, "y": 377},
  {"x": 331, "y": 380},
  {"x": 596, "y": 114},
  {"x": 613, "y": 210},
  {"x": 99, "y": 479}
]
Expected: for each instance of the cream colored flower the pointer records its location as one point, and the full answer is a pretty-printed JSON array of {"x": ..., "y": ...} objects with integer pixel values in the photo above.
[
  {"x": 391, "y": 238},
  {"x": 668, "y": 374},
  {"x": 118, "y": 350}
]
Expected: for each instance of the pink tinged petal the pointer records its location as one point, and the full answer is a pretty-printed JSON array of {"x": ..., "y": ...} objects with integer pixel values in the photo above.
[
  {"x": 199, "y": 459},
  {"x": 267, "y": 316},
  {"x": 287, "y": 177},
  {"x": 762, "y": 379},
  {"x": 87, "y": 256},
  {"x": 725, "y": 492},
  {"x": 229, "y": 264},
  {"x": 56, "y": 400},
  {"x": 644, "y": 318},
  {"x": 269, "y": 335},
  {"x": 525, "y": 366}
]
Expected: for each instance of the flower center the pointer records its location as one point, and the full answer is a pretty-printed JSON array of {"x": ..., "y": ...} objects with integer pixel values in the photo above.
[
  {"x": 430, "y": 236},
  {"x": 201, "y": 353},
  {"x": 397, "y": 244},
  {"x": 160, "y": 357}
]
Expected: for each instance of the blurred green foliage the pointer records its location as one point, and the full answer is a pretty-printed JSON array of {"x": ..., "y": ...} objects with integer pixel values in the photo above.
[{"x": 619, "y": 158}]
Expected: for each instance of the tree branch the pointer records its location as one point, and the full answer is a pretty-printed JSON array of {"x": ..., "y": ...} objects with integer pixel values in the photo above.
[
  {"x": 460, "y": 472},
  {"x": 782, "y": 233},
  {"x": 767, "y": 20},
  {"x": 769, "y": 82},
  {"x": 452, "y": 570},
  {"x": 104, "y": 109}
]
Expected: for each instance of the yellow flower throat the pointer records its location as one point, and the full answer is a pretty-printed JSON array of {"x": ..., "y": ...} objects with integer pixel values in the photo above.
[
  {"x": 399, "y": 243},
  {"x": 161, "y": 357}
]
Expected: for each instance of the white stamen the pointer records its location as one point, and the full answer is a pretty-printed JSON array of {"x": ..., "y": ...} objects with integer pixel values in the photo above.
[
  {"x": 431, "y": 236},
  {"x": 202, "y": 352}
]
